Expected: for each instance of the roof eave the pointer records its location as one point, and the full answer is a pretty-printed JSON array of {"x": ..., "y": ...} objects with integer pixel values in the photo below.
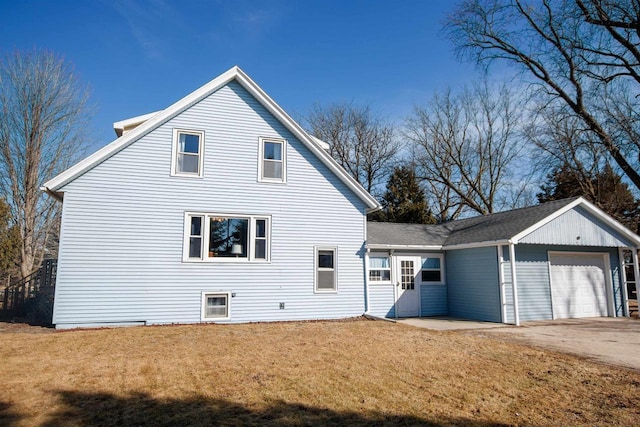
[
  {"x": 472, "y": 245},
  {"x": 374, "y": 246}
]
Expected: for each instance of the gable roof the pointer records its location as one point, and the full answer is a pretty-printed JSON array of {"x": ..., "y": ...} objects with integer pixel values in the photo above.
[
  {"x": 488, "y": 230},
  {"x": 235, "y": 73}
]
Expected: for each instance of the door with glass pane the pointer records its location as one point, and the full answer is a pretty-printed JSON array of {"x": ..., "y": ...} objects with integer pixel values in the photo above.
[{"x": 407, "y": 286}]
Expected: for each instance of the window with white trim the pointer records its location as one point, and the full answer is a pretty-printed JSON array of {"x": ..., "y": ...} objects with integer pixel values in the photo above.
[
  {"x": 220, "y": 237},
  {"x": 188, "y": 153},
  {"x": 215, "y": 306},
  {"x": 379, "y": 269},
  {"x": 272, "y": 164},
  {"x": 326, "y": 279},
  {"x": 432, "y": 270}
]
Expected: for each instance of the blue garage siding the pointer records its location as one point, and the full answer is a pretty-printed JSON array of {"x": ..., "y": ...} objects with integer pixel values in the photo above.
[
  {"x": 433, "y": 300},
  {"x": 534, "y": 291},
  {"x": 473, "y": 283}
]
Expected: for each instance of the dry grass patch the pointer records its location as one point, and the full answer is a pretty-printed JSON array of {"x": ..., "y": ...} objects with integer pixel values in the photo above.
[{"x": 333, "y": 373}]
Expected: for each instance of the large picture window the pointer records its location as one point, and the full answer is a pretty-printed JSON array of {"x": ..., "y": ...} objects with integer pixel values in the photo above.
[
  {"x": 217, "y": 237},
  {"x": 187, "y": 153},
  {"x": 272, "y": 165}
]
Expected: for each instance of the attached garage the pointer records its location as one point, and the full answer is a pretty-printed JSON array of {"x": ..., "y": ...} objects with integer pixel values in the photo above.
[
  {"x": 558, "y": 260},
  {"x": 579, "y": 284}
]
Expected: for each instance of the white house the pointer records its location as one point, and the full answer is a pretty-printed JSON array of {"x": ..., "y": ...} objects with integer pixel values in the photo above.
[
  {"x": 221, "y": 208},
  {"x": 218, "y": 208}
]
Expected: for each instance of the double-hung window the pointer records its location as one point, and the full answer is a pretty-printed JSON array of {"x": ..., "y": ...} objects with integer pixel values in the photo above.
[
  {"x": 379, "y": 269},
  {"x": 188, "y": 153},
  {"x": 272, "y": 160},
  {"x": 219, "y": 237},
  {"x": 326, "y": 277},
  {"x": 432, "y": 270}
]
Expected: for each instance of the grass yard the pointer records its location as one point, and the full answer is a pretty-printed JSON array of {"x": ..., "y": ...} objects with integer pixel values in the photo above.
[{"x": 285, "y": 374}]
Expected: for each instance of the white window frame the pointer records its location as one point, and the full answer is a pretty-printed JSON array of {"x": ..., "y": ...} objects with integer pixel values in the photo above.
[
  {"x": 251, "y": 236},
  {"x": 203, "y": 305},
  {"x": 370, "y": 269},
  {"x": 316, "y": 269},
  {"x": 261, "y": 160},
  {"x": 441, "y": 269},
  {"x": 174, "y": 153}
]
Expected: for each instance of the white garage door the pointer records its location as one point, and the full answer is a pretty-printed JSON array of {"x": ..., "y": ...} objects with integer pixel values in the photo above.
[{"x": 578, "y": 285}]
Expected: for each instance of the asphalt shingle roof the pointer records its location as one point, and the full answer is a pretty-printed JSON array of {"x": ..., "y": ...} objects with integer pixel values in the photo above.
[{"x": 497, "y": 226}]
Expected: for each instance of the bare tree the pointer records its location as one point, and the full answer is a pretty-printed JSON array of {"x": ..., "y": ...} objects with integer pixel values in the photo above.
[
  {"x": 582, "y": 55},
  {"x": 563, "y": 144},
  {"x": 464, "y": 148},
  {"x": 362, "y": 143},
  {"x": 43, "y": 117}
]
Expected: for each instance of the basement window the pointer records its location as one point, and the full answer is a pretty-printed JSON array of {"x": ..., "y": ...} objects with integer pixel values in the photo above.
[{"x": 215, "y": 306}]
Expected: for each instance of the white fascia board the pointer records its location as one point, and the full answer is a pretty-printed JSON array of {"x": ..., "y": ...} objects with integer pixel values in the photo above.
[
  {"x": 599, "y": 213},
  {"x": 476, "y": 244},
  {"x": 306, "y": 139},
  {"x": 375, "y": 246},
  {"x": 236, "y": 73},
  {"x": 122, "y": 125}
]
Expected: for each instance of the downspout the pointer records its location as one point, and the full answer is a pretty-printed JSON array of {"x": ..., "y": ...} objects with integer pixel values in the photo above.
[
  {"x": 366, "y": 281},
  {"x": 514, "y": 283}
]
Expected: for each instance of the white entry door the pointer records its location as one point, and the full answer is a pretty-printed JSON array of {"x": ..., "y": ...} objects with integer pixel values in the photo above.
[
  {"x": 578, "y": 285},
  {"x": 408, "y": 286}
]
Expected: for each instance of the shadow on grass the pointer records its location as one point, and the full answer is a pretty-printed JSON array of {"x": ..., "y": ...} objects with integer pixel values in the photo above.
[
  {"x": 101, "y": 409},
  {"x": 7, "y": 416}
]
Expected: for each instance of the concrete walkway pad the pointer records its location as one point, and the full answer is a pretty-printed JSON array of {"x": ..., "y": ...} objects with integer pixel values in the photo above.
[{"x": 446, "y": 323}]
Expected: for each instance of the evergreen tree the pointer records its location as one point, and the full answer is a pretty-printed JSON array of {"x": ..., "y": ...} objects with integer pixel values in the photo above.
[
  {"x": 404, "y": 200},
  {"x": 605, "y": 189},
  {"x": 9, "y": 245}
]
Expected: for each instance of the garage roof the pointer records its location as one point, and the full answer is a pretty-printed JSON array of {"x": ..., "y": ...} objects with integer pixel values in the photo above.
[{"x": 498, "y": 228}]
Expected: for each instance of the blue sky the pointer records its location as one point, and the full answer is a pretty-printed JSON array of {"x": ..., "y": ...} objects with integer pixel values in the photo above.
[{"x": 141, "y": 56}]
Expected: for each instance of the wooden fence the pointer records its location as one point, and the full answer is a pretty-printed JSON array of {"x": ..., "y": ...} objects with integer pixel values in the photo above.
[{"x": 31, "y": 299}]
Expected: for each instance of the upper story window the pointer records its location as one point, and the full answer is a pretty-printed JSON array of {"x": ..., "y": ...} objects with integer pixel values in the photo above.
[
  {"x": 218, "y": 237},
  {"x": 188, "y": 153},
  {"x": 272, "y": 165}
]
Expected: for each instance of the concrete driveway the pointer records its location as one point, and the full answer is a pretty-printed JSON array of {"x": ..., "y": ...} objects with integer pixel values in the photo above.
[{"x": 615, "y": 341}]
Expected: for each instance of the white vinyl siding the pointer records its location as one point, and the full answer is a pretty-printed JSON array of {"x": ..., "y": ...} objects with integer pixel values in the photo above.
[
  {"x": 123, "y": 227},
  {"x": 187, "y": 153}
]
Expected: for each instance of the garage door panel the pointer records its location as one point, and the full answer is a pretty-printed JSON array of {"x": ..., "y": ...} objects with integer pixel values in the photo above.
[{"x": 578, "y": 285}]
